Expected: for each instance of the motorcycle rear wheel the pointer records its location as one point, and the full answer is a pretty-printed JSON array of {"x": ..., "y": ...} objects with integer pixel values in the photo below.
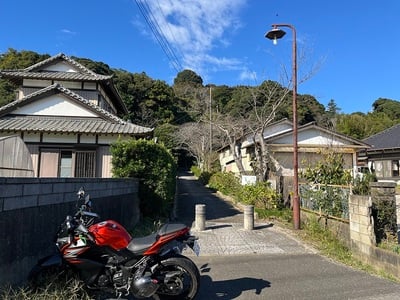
[{"x": 185, "y": 278}]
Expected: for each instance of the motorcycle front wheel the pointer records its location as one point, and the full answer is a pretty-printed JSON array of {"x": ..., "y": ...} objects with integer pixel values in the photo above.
[{"x": 180, "y": 278}]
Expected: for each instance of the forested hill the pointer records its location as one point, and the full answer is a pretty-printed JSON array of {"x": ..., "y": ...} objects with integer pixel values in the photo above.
[{"x": 154, "y": 103}]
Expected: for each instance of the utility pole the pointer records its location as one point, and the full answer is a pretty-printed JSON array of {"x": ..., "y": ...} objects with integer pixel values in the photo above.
[{"x": 211, "y": 136}]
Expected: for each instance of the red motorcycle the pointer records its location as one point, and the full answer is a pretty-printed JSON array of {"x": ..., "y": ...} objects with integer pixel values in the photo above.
[{"x": 106, "y": 258}]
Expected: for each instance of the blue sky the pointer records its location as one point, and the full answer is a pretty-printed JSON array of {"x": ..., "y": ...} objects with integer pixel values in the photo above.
[{"x": 348, "y": 51}]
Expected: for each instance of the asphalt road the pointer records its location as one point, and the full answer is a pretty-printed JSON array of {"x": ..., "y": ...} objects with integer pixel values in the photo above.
[{"x": 279, "y": 268}]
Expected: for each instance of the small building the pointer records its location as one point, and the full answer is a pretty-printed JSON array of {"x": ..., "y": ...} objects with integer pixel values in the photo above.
[
  {"x": 68, "y": 116},
  {"x": 383, "y": 157},
  {"x": 313, "y": 141}
]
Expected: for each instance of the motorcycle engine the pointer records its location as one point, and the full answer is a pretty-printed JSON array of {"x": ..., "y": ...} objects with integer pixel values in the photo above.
[{"x": 144, "y": 287}]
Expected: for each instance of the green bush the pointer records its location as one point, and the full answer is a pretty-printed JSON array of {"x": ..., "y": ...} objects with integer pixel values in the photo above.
[
  {"x": 385, "y": 222},
  {"x": 226, "y": 183},
  {"x": 361, "y": 183},
  {"x": 205, "y": 177},
  {"x": 261, "y": 195},
  {"x": 196, "y": 171},
  {"x": 154, "y": 165}
]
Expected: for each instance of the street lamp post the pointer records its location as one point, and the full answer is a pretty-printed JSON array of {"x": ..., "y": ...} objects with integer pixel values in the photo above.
[{"x": 274, "y": 34}]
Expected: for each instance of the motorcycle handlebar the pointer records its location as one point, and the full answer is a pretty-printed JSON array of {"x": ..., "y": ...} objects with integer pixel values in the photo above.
[{"x": 82, "y": 228}]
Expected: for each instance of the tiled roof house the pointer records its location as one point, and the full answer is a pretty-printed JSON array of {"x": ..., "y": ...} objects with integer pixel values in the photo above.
[
  {"x": 383, "y": 157},
  {"x": 68, "y": 116}
]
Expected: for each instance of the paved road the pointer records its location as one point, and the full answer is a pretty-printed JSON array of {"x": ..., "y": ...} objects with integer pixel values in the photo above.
[{"x": 265, "y": 263}]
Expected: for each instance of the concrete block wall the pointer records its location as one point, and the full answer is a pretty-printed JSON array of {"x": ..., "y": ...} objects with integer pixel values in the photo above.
[
  {"x": 362, "y": 235},
  {"x": 31, "y": 209}
]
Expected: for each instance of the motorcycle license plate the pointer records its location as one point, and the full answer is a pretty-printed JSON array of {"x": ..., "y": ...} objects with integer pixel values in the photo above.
[{"x": 196, "y": 248}]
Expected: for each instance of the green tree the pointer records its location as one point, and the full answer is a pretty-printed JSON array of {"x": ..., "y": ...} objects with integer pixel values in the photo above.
[
  {"x": 95, "y": 66},
  {"x": 220, "y": 96},
  {"x": 154, "y": 165},
  {"x": 13, "y": 59},
  {"x": 328, "y": 170},
  {"x": 353, "y": 125},
  {"x": 332, "y": 109},
  {"x": 150, "y": 102},
  {"x": 390, "y": 107},
  {"x": 188, "y": 77}
]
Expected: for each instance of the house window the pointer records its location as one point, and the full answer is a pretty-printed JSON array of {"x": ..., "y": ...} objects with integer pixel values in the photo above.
[
  {"x": 395, "y": 168},
  {"x": 85, "y": 163},
  {"x": 67, "y": 163}
]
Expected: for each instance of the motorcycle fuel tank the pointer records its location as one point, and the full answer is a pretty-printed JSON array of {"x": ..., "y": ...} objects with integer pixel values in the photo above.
[{"x": 110, "y": 233}]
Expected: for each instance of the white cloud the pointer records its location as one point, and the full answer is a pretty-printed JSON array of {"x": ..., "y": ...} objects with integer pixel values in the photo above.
[
  {"x": 194, "y": 28},
  {"x": 247, "y": 75},
  {"x": 68, "y": 32}
]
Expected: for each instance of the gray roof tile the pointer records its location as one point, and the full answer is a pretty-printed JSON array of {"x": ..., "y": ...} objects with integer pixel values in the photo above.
[
  {"x": 60, "y": 57},
  {"x": 67, "y": 76},
  {"x": 386, "y": 139},
  {"x": 57, "y": 124}
]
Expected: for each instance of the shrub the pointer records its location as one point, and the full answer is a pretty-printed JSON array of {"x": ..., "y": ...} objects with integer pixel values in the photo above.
[
  {"x": 226, "y": 183},
  {"x": 154, "y": 165},
  {"x": 361, "y": 183},
  {"x": 205, "y": 177},
  {"x": 384, "y": 214},
  {"x": 196, "y": 171},
  {"x": 261, "y": 195}
]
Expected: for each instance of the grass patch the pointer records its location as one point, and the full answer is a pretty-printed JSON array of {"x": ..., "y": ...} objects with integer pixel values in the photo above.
[
  {"x": 284, "y": 215},
  {"x": 70, "y": 289}
]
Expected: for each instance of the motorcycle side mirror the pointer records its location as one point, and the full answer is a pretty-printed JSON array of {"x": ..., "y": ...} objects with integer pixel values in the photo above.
[
  {"x": 81, "y": 192},
  {"x": 88, "y": 202}
]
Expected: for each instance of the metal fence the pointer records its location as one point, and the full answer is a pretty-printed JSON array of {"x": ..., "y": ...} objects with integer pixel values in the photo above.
[{"x": 331, "y": 200}]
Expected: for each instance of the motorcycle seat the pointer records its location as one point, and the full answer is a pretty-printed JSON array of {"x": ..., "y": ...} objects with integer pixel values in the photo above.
[
  {"x": 170, "y": 228},
  {"x": 141, "y": 244}
]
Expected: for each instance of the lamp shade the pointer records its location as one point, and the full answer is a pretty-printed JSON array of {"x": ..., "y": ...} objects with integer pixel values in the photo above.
[{"x": 275, "y": 34}]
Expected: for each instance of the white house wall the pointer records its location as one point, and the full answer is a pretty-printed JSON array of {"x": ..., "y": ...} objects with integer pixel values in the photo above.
[
  {"x": 31, "y": 137},
  {"x": 104, "y": 163},
  {"x": 60, "y": 138},
  {"x": 311, "y": 137},
  {"x": 56, "y": 105},
  {"x": 87, "y": 139},
  {"x": 34, "y": 151},
  {"x": 60, "y": 67},
  {"x": 36, "y": 83}
]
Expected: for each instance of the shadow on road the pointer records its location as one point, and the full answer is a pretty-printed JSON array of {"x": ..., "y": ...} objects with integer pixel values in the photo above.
[
  {"x": 228, "y": 289},
  {"x": 191, "y": 192}
]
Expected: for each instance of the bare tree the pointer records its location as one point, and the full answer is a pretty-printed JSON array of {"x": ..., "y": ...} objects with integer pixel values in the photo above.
[
  {"x": 233, "y": 130},
  {"x": 195, "y": 138},
  {"x": 266, "y": 100}
]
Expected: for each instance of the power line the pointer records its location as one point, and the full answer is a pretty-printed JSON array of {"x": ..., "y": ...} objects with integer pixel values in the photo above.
[{"x": 158, "y": 34}]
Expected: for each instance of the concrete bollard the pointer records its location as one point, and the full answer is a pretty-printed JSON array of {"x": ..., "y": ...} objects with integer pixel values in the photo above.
[
  {"x": 200, "y": 217},
  {"x": 249, "y": 217}
]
